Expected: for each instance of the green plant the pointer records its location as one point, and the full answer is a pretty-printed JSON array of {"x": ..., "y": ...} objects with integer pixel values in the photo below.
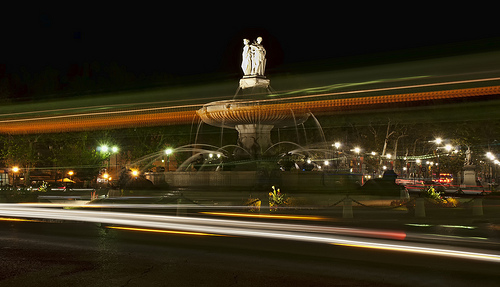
[
  {"x": 276, "y": 198},
  {"x": 253, "y": 204},
  {"x": 430, "y": 192},
  {"x": 43, "y": 187}
]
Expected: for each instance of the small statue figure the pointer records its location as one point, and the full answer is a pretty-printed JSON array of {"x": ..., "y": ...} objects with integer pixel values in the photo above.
[
  {"x": 258, "y": 58},
  {"x": 246, "y": 63},
  {"x": 253, "y": 58},
  {"x": 468, "y": 159}
]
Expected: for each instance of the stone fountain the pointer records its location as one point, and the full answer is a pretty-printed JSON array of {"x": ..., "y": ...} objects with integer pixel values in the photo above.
[{"x": 254, "y": 111}]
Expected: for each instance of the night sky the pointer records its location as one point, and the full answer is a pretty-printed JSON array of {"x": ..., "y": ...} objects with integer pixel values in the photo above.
[{"x": 164, "y": 42}]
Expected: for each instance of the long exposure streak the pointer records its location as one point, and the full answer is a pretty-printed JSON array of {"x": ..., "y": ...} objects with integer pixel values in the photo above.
[
  {"x": 202, "y": 226},
  {"x": 184, "y": 114}
]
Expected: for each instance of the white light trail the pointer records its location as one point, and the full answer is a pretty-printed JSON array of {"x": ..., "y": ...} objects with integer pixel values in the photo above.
[{"x": 282, "y": 231}]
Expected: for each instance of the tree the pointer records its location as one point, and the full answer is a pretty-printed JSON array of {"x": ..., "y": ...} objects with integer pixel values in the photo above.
[{"x": 17, "y": 151}]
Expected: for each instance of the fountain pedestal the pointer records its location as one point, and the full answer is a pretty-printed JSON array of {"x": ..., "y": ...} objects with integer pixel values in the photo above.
[
  {"x": 469, "y": 175},
  {"x": 254, "y": 138},
  {"x": 254, "y": 81}
]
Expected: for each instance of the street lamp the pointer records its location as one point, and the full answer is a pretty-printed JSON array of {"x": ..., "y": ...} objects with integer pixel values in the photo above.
[
  {"x": 15, "y": 169},
  {"x": 490, "y": 155},
  {"x": 448, "y": 147},
  {"x": 337, "y": 146},
  {"x": 168, "y": 152},
  {"x": 107, "y": 151},
  {"x": 357, "y": 150}
]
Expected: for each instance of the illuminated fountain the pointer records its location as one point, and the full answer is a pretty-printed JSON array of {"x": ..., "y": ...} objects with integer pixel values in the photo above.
[{"x": 254, "y": 162}]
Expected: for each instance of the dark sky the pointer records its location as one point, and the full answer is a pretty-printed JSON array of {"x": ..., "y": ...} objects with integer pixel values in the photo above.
[{"x": 184, "y": 39}]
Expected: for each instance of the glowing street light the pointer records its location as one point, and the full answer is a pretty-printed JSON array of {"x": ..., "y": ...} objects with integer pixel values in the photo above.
[
  {"x": 490, "y": 155},
  {"x": 337, "y": 146},
  {"x": 15, "y": 169},
  {"x": 448, "y": 147},
  {"x": 168, "y": 152},
  {"x": 106, "y": 149}
]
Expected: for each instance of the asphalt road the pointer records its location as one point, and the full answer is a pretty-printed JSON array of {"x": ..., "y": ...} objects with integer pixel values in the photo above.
[{"x": 61, "y": 253}]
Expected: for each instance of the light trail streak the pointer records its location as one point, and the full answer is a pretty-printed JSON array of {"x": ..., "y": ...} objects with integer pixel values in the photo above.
[
  {"x": 107, "y": 113},
  {"x": 246, "y": 229},
  {"x": 225, "y": 222},
  {"x": 163, "y": 231},
  {"x": 175, "y": 115},
  {"x": 196, "y": 106},
  {"x": 17, "y": 219},
  {"x": 394, "y": 88},
  {"x": 426, "y": 250},
  {"x": 113, "y": 106},
  {"x": 299, "y": 217}
]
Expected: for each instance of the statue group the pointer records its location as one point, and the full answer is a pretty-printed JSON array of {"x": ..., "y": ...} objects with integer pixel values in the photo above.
[{"x": 254, "y": 58}]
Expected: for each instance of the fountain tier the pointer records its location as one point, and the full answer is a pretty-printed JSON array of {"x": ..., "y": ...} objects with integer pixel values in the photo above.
[{"x": 253, "y": 120}]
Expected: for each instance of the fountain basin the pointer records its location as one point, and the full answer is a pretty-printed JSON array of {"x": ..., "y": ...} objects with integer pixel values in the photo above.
[
  {"x": 253, "y": 120},
  {"x": 231, "y": 113}
]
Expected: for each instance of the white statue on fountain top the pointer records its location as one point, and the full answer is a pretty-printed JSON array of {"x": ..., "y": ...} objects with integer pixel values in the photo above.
[
  {"x": 246, "y": 63},
  {"x": 253, "y": 58}
]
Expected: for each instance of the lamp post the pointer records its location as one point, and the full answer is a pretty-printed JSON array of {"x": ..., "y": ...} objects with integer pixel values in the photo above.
[
  {"x": 389, "y": 157},
  {"x": 337, "y": 146},
  {"x": 15, "y": 169},
  {"x": 107, "y": 151},
  {"x": 357, "y": 150},
  {"x": 168, "y": 152},
  {"x": 438, "y": 141}
]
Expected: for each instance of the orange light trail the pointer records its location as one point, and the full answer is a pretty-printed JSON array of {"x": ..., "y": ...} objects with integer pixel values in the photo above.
[
  {"x": 163, "y": 231},
  {"x": 161, "y": 116},
  {"x": 17, "y": 219},
  {"x": 294, "y": 217}
]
